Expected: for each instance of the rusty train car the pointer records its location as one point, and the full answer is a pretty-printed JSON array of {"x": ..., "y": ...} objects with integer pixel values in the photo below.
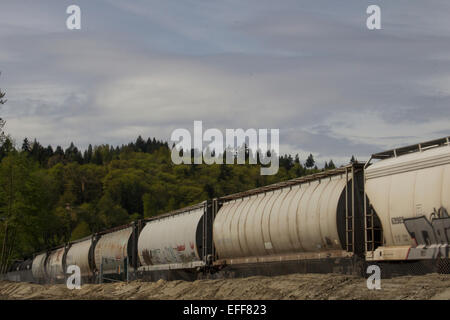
[{"x": 391, "y": 211}]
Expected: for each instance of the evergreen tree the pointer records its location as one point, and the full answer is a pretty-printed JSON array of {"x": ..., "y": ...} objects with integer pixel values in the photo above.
[
  {"x": 97, "y": 157},
  {"x": 331, "y": 165},
  {"x": 6, "y": 148},
  {"x": 88, "y": 154},
  {"x": 140, "y": 145},
  {"x": 310, "y": 161},
  {"x": 59, "y": 151},
  {"x": 149, "y": 146},
  {"x": 2, "y": 122},
  {"x": 72, "y": 154},
  {"x": 26, "y": 145},
  {"x": 286, "y": 162},
  {"x": 49, "y": 151},
  {"x": 56, "y": 157},
  {"x": 37, "y": 151}
]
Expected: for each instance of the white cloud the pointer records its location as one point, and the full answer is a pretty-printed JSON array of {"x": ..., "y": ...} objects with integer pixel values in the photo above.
[{"x": 329, "y": 85}]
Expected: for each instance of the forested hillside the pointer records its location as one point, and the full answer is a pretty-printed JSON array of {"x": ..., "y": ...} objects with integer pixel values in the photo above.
[
  {"x": 52, "y": 196},
  {"x": 48, "y": 197}
]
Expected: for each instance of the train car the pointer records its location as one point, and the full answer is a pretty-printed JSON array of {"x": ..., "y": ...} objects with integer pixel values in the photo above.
[
  {"x": 80, "y": 253},
  {"x": 390, "y": 211},
  {"x": 408, "y": 192},
  {"x": 176, "y": 243},
  {"x": 305, "y": 224},
  {"x": 38, "y": 267},
  {"x": 13, "y": 273},
  {"x": 113, "y": 252},
  {"x": 54, "y": 265},
  {"x": 20, "y": 271},
  {"x": 26, "y": 274},
  {"x": 99, "y": 257}
]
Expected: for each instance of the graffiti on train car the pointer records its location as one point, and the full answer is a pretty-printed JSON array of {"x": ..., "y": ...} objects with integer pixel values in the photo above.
[
  {"x": 169, "y": 255},
  {"x": 426, "y": 233}
]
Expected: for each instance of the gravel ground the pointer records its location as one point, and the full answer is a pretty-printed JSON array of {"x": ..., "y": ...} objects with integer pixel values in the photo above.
[{"x": 295, "y": 286}]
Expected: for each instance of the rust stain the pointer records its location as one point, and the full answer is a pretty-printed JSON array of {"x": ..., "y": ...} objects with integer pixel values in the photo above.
[
  {"x": 181, "y": 247},
  {"x": 147, "y": 255}
]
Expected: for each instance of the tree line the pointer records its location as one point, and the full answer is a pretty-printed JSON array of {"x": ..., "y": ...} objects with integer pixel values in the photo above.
[{"x": 49, "y": 196}]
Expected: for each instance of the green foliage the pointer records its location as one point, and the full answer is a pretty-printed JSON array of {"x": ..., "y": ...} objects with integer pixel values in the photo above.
[
  {"x": 81, "y": 230},
  {"x": 48, "y": 197},
  {"x": 111, "y": 214},
  {"x": 310, "y": 162},
  {"x": 2, "y": 122},
  {"x": 329, "y": 165}
]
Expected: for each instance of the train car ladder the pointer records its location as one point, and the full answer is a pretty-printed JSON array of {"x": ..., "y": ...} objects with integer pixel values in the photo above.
[
  {"x": 373, "y": 231},
  {"x": 349, "y": 212}
]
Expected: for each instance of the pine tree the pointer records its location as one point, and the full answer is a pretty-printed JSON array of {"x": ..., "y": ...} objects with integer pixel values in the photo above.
[
  {"x": 26, "y": 145},
  {"x": 88, "y": 154},
  {"x": 37, "y": 151},
  {"x": 331, "y": 165},
  {"x": 299, "y": 170},
  {"x": 6, "y": 148},
  {"x": 48, "y": 153},
  {"x": 59, "y": 151},
  {"x": 149, "y": 146},
  {"x": 310, "y": 161},
  {"x": 2, "y": 122},
  {"x": 97, "y": 157},
  {"x": 140, "y": 144},
  {"x": 289, "y": 163},
  {"x": 2, "y": 95}
]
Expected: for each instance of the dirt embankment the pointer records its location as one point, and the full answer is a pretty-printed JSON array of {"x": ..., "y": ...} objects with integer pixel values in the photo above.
[{"x": 296, "y": 286}]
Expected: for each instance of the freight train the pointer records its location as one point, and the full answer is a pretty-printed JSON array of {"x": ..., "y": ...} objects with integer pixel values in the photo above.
[{"x": 391, "y": 211}]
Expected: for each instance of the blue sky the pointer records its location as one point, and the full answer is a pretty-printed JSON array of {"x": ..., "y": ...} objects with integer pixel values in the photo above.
[{"x": 309, "y": 68}]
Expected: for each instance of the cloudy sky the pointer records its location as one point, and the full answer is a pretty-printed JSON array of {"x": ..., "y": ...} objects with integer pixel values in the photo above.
[{"x": 310, "y": 68}]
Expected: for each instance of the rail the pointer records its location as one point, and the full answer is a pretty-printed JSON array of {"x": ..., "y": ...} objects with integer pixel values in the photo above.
[
  {"x": 418, "y": 147},
  {"x": 295, "y": 181}
]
